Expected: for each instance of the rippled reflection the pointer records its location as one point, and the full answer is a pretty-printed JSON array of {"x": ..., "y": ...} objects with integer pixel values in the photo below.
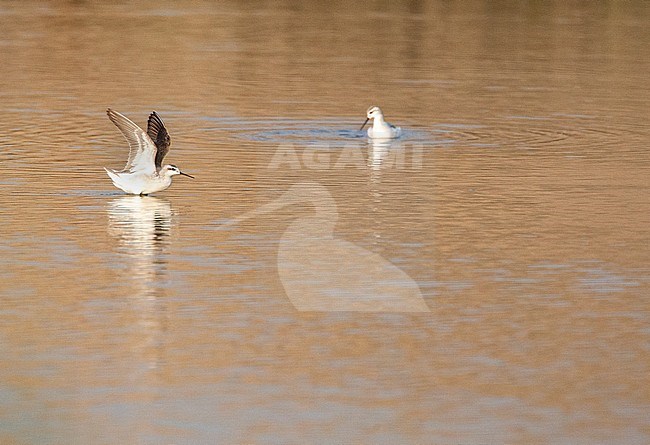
[
  {"x": 140, "y": 222},
  {"x": 379, "y": 149},
  {"x": 141, "y": 226}
]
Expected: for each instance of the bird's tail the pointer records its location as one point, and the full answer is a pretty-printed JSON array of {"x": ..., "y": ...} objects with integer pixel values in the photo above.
[{"x": 113, "y": 175}]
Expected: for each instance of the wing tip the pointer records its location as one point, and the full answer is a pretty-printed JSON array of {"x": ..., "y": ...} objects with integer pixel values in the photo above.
[
  {"x": 156, "y": 117},
  {"x": 112, "y": 114}
]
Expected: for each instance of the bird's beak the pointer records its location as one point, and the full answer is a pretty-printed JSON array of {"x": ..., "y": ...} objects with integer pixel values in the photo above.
[
  {"x": 185, "y": 174},
  {"x": 364, "y": 124}
]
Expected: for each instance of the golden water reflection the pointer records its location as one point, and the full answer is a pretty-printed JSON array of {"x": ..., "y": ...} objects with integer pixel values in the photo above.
[{"x": 520, "y": 212}]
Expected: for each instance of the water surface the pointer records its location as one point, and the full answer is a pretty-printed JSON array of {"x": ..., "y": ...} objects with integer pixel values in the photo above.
[{"x": 516, "y": 206}]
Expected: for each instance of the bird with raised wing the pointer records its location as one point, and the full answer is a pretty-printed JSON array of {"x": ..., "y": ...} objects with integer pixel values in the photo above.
[{"x": 144, "y": 172}]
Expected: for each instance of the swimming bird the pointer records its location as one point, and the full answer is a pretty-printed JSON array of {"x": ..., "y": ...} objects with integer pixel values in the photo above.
[
  {"x": 143, "y": 172},
  {"x": 380, "y": 128}
]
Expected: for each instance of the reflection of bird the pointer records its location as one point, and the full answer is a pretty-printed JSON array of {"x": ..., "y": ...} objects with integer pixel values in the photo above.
[
  {"x": 141, "y": 223},
  {"x": 380, "y": 128},
  {"x": 144, "y": 172},
  {"x": 379, "y": 149},
  {"x": 322, "y": 273},
  {"x": 142, "y": 226}
]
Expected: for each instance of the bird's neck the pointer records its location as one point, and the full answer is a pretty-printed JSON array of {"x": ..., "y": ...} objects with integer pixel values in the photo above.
[
  {"x": 167, "y": 179},
  {"x": 379, "y": 121}
]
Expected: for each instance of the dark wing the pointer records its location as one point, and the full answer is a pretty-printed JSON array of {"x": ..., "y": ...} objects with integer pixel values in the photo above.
[{"x": 158, "y": 134}]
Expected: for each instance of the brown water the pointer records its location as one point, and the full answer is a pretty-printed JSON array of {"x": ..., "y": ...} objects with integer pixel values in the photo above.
[{"x": 510, "y": 224}]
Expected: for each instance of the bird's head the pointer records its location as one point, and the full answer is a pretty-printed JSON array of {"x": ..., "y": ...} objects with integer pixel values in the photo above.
[
  {"x": 172, "y": 170},
  {"x": 372, "y": 113}
]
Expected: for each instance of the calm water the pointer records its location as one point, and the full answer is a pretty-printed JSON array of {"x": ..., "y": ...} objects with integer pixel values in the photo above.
[{"x": 485, "y": 279}]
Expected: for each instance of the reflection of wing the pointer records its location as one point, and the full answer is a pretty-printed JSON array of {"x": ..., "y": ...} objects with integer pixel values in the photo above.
[
  {"x": 141, "y": 148},
  {"x": 159, "y": 135}
]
